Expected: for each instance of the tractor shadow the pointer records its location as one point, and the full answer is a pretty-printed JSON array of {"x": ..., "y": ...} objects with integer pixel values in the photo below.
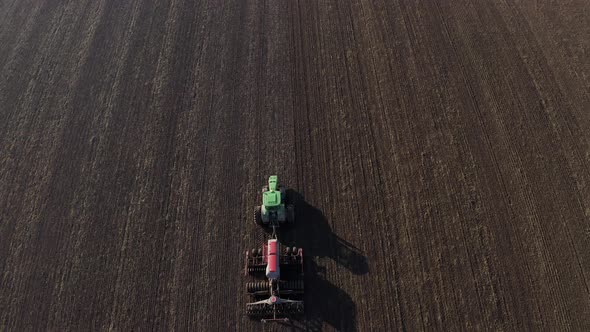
[
  {"x": 313, "y": 233},
  {"x": 324, "y": 301}
]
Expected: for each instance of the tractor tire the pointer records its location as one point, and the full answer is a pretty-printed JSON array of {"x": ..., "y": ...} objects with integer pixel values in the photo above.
[
  {"x": 283, "y": 191},
  {"x": 290, "y": 214},
  {"x": 257, "y": 215}
]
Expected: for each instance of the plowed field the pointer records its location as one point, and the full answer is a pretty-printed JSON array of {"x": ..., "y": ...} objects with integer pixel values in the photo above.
[{"x": 439, "y": 150}]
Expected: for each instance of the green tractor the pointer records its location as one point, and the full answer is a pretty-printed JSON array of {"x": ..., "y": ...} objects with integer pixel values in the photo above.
[{"x": 275, "y": 209}]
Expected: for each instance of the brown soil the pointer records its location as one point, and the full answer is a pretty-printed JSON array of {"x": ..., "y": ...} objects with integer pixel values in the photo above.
[{"x": 440, "y": 153}]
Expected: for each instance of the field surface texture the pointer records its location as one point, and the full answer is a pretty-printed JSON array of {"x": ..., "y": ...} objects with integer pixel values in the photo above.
[{"x": 439, "y": 152}]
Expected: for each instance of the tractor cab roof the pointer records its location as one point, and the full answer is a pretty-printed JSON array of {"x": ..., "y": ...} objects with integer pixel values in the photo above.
[{"x": 272, "y": 197}]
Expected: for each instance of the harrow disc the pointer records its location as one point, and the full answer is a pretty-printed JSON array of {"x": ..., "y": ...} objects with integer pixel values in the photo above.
[
  {"x": 296, "y": 285},
  {"x": 257, "y": 286},
  {"x": 290, "y": 309},
  {"x": 259, "y": 310},
  {"x": 256, "y": 269}
]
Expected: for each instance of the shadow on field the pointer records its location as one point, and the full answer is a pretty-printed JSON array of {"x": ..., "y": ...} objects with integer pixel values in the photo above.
[
  {"x": 315, "y": 236},
  {"x": 324, "y": 301}
]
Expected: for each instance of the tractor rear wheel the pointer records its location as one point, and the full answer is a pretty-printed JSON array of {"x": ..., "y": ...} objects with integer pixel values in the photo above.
[
  {"x": 290, "y": 214},
  {"x": 257, "y": 215}
]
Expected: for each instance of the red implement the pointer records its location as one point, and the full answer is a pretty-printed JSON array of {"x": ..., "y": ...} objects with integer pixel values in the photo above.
[
  {"x": 272, "y": 255},
  {"x": 272, "y": 247}
]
